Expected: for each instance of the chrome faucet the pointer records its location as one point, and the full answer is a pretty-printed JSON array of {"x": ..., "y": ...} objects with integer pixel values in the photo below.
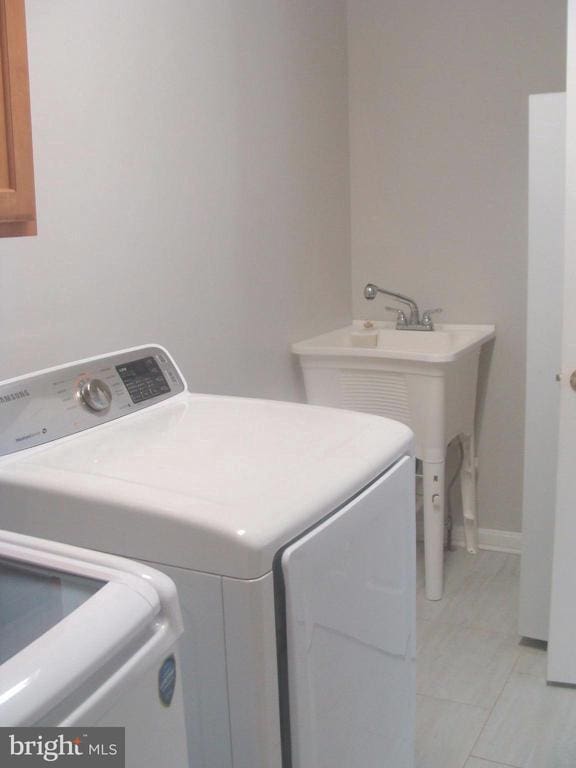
[{"x": 412, "y": 322}]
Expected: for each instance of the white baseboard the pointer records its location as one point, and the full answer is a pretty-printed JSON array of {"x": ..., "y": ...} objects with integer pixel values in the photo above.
[
  {"x": 488, "y": 538},
  {"x": 491, "y": 538}
]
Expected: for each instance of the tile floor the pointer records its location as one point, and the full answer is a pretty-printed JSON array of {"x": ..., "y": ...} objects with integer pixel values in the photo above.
[{"x": 483, "y": 700}]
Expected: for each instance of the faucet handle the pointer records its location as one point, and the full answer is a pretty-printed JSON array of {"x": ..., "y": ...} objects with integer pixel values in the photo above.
[
  {"x": 427, "y": 316},
  {"x": 401, "y": 318}
]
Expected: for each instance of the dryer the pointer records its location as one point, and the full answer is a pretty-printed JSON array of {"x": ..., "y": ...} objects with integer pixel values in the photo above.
[{"x": 287, "y": 528}]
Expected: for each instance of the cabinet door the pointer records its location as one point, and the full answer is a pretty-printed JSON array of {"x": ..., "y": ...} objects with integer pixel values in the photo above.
[{"x": 17, "y": 203}]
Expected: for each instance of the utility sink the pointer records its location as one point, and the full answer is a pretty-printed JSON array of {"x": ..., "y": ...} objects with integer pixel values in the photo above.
[
  {"x": 445, "y": 344},
  {"x": 425, "y": 379}
]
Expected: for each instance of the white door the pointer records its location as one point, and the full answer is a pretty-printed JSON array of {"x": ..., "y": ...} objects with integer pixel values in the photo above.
[
  {"x": 547, "y": 186},
  {"x": 562, "y": 636},
  {"x": 349, "y": 595}
]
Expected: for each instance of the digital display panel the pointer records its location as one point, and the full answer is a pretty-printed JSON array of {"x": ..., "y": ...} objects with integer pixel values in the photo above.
[{"x": 143, "y": 379}]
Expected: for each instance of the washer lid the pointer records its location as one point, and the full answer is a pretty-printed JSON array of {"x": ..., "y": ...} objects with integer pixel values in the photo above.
[
  {"x": 216, "y": 484},
  {"x": 67, "y": 617},
  {"x": 33, "y": 600}
]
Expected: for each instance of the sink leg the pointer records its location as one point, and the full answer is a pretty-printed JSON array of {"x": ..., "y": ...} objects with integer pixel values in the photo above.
[
  {"x": 433, "y": 477},
  {"x": 468, "y": 486}
]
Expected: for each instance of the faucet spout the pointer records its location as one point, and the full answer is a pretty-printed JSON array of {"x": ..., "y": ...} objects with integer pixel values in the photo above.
[{"x": 371, "y": 291}]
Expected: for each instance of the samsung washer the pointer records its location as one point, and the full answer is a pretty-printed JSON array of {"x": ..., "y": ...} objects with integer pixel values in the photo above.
[
  {"x": 288, "y": 530},
  {"x": 89, "y": 639}
]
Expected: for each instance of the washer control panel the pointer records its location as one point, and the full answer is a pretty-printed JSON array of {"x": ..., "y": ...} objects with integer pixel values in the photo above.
[{"x": 61, "y": 401}]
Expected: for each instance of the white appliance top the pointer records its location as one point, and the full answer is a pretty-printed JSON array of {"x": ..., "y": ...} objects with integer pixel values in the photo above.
[
  {"x": 216, "y": 484},
  {"x": 67, "y": 614}
]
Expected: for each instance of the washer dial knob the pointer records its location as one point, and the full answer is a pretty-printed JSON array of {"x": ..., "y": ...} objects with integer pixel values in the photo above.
[{"x": 95, "y": 394}]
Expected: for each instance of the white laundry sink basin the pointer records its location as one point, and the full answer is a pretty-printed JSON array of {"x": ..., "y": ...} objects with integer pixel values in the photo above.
[
  {"x": 425, "y": 379},
  {"x": 444, "y": 344}
]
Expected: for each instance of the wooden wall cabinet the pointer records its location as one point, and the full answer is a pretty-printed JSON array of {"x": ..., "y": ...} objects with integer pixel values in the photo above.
[{"x": 17, "y": 199}]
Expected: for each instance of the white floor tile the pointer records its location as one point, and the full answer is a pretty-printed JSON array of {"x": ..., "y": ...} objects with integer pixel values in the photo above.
[
  {"x": 463, "y": 664},
  {"x": 470, "y": 660},
  {"x": 533, "y": 725},
  {"x": 459, "y": 564},
  {"x": 457, "y": 568},
  {"x": 446, "y": 732},
  {"x": 427, "y": 610},
  {"x": 485, "y": 563},
  {"x": 479, "y": 590},
  {"x": 484, "y": 602},
  {"x": 533, "y": 659}
]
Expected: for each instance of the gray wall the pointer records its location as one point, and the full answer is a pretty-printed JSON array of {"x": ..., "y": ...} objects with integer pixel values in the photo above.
[
  {"x": 192, "y": 173},
  {"x": 439, "y": 149},
  {"x": 192, "y": 187}
]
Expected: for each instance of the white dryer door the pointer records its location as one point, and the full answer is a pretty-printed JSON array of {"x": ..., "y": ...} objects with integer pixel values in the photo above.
[{"x": 350, "y": 613}]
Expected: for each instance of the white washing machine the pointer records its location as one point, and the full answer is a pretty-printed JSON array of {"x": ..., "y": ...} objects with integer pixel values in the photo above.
[
  {"x": 88, "y": 639},
  {"x": 288, "y": 530}
]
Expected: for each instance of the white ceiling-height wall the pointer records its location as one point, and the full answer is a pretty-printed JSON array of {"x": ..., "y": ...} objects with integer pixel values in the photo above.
[
  {"x": 439, "y": 171},
  {"x": 192, "y": 187}
]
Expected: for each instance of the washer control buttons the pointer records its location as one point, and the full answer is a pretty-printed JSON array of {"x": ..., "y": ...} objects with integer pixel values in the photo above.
[
  {"x": 95, "y": 394},
  {"x": 143, "y": 379}
]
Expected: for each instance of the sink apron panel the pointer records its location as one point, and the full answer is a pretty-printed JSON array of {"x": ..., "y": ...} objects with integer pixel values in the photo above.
[{"x": 437, "y": 401}]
